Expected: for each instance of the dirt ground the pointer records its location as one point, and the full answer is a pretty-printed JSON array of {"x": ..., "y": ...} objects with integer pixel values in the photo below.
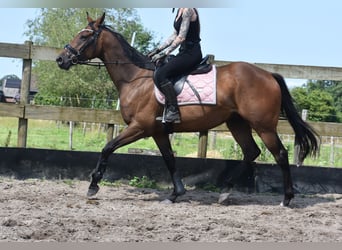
[{"x": 45, "y": 210}]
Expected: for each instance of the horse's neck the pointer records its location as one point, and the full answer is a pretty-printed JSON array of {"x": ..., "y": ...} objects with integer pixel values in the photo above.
[
  {"x": 122, "y": 72},
  {"x": 132, "y": 84}
]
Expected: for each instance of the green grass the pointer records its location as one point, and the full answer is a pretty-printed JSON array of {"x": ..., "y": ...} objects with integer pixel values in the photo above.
[
  {"x": 142, "y": 182},
  {"x": 53, "y": 135}
]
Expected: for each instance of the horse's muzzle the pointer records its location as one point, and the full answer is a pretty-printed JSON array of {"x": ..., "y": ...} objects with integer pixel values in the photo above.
[{"x": 63, "y": 62}]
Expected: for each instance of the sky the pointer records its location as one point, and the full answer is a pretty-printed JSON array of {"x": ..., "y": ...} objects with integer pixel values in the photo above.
[{"x": 278, "y": 32}]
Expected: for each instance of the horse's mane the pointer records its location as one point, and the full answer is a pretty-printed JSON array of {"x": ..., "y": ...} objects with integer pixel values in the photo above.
[{"x": 131, "y": 53}]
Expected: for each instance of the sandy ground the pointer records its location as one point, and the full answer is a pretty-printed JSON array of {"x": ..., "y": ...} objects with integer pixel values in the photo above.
[{"x": 44, "y": 210}]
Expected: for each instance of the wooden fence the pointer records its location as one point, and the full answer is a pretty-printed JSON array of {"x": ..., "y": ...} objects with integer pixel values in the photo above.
[{"x": 24, "y": 111}]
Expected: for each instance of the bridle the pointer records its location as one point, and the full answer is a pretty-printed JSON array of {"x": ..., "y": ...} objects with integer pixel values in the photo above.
[{"x": 77, "y": 54}]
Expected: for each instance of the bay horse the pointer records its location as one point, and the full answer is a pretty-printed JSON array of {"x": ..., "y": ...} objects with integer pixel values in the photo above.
[{"x": 248, "y": 98}]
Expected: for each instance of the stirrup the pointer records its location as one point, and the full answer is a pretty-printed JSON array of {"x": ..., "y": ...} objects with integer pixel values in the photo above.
[{"x": 163, "y": 120}]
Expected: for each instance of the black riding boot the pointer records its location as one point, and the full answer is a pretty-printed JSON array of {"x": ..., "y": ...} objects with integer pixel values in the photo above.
[{"x": 171, "y": 105}]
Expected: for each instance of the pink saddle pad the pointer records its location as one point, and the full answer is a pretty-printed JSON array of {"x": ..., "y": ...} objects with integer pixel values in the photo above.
[{"x": 205, "y": 85}]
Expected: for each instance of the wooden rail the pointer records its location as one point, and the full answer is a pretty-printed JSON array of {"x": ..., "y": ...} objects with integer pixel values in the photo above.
[
  {"x": 36, "y": 52},
  {"x": 56, "y": 113},
  {"x": 24, "y": 111}
]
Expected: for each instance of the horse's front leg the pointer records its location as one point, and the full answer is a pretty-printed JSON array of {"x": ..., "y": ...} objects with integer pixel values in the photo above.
[
  {"x": 164, "y": 145},
  {"x": 97, "y": 173},
  {"x": 129, "y": 135}
]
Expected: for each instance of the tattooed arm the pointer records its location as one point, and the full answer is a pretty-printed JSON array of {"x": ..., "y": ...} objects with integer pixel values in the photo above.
[
  {"x": 175, "y": 40},
  {"x": 168, "y": 41}
]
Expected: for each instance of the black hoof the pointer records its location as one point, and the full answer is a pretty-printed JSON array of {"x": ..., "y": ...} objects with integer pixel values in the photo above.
[
  {"x": 92, "y": 190},
  {"x": 285, "y": 203},
  {"x": 172, "y": 198},
  {"x": 287, "y": 200},
  {"x": 175, "y": 195}
]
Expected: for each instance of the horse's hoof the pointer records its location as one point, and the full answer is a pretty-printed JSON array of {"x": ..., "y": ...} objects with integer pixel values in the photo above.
[
  {"x": 92, "y": 191},
  {"x": 285, "y": 203},
  {"x": 181, "y": 192},
  {"x": 287, "y": 200},
  {"x": 223, "y": 197},
  {"x": 166, "y": 201}
]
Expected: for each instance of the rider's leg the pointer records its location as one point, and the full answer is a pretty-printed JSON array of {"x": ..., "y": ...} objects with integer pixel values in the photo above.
[{"x": 171, "y": 105}]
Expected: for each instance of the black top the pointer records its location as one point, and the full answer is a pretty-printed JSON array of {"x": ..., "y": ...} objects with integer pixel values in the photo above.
[{"x": 193, "y": 34}]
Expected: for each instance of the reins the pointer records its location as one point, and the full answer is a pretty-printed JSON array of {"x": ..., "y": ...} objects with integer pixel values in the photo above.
[{"x": 102, "y": 64}]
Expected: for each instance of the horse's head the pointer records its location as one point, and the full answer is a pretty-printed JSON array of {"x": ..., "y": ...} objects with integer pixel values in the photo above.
[{"x": 83, "y": 46}]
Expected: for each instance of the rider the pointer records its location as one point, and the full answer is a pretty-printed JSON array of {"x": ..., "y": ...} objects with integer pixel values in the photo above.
[{"x": 187, "y": 35}]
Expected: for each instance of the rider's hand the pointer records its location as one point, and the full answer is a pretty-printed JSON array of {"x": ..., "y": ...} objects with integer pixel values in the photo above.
[
  {"x": 153, "y": 52},
  {"x": 158, "y": 57}
]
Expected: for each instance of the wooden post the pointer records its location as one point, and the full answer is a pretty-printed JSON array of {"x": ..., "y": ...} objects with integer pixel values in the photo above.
[
  {"x": 203, "y": 136},
  {"x": 304, "y": 114},
  {"x": 110, "y": 132},
  {"x": 212, "y": 142},
  {"x": 71, "y": 128},
  {"x": 116, "y": 130},
  {"x": 332, "y": 158},
  {"x": 24, "y": 97},
  {"x": 71, "y": 132},
  {"x": 202, "y": 144}
]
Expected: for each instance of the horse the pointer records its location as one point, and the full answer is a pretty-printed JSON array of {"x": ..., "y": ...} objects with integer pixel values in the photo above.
[{"x": 248, "y": 98}]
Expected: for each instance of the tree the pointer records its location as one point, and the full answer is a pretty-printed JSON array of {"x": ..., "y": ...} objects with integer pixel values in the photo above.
[
  {"x": 337, "y": 95},
  {"x": 79, "y": 86},
  {"x": 319, "y": 103},
  {"x": 334, "y": 88}
]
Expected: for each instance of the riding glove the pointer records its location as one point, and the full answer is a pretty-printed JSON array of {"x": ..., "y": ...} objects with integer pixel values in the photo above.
[
  {"x": 159, "y": 56},
  {"x": 153, "y": 52}
]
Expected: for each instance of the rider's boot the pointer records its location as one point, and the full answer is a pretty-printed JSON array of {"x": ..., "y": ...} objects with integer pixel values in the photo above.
[{"x": 171, "y": 114}]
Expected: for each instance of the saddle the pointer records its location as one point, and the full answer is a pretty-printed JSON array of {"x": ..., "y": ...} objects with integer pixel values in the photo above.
[{"x": 202, "y": 68}]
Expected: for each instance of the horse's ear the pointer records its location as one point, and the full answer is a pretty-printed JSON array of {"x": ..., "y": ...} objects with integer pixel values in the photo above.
[
  {"x": 100, "y": 20},
  {"x": 90, "y": 20}
]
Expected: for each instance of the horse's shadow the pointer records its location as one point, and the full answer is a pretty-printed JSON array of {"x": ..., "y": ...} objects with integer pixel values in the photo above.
[{"x": 234, "y": 198}]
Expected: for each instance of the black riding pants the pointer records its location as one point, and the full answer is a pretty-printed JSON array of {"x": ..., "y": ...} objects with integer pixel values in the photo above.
[{"x": 184, "y": 62}]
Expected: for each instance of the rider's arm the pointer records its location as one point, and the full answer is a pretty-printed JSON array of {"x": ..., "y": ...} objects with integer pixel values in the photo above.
[
  {"x": 168, "y": 41},
  {"x": 183, "y": 31}
]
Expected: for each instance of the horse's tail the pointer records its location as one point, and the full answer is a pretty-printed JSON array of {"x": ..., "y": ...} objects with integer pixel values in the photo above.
[{"x": 306, "y": 138}]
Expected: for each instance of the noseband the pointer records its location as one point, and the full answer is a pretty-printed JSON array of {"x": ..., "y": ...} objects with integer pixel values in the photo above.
[{"x": 77, "y": 54}]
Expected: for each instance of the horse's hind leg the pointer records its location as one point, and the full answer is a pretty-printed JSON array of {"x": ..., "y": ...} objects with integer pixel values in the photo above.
[
  {"x": 242, "y": 133},
  {"x": 274, "y": 145}
]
